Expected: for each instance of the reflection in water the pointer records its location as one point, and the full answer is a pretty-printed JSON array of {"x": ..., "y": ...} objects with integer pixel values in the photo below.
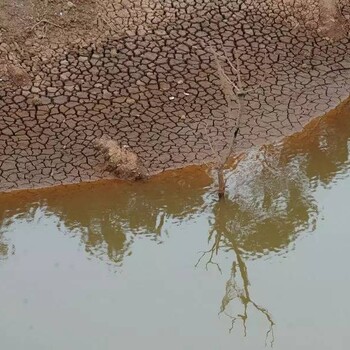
[
  {"x": 223, "y": 236},
  {"x": 108, "y": 216},
  {"x": 270, "y": 202},
  {"x": 4, "y": 249},
  {"x": 233, "y": 291}
]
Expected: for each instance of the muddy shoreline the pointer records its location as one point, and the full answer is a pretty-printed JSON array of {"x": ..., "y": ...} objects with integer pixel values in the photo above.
[{"x": 201, "y": 172}]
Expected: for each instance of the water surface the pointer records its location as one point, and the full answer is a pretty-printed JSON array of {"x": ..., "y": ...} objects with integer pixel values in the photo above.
[{"x": 164, "y": 265}]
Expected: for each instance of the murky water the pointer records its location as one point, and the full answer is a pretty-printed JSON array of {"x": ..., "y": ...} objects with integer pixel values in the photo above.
[{"x": 163, "y": 265}]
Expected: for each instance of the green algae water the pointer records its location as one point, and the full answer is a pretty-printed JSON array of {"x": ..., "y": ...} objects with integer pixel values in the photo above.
[{"x": 164, "y": 265}]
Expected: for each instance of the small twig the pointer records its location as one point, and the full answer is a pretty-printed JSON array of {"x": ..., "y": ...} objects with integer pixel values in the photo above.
[
  {"x": 213, "y": 149},
  {"x": 45, "y": 21}
]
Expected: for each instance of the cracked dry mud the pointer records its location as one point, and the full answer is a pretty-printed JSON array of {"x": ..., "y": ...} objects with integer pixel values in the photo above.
[{"x": 152, "y": 86}]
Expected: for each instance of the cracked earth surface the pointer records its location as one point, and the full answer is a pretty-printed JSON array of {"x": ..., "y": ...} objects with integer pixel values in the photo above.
[{"x": 155, "y": 87}]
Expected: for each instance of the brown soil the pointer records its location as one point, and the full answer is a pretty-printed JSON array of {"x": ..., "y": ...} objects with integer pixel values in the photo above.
[
  {"x": 50, "y": 21},
  {"x": 35, "y": 29},
  {"x": 139, "y": 72},
  {"x": 39, "y": 27}
]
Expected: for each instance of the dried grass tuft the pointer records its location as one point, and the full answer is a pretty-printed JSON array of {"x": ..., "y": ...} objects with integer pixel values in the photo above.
[{"x": 120, "y": 161}]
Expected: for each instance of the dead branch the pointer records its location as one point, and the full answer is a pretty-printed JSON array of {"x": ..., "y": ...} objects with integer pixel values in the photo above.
[{"x": 233, "y": 93}]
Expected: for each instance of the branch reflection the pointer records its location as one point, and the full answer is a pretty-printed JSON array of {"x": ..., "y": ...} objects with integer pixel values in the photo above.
[{"x": 268, "y": 206}]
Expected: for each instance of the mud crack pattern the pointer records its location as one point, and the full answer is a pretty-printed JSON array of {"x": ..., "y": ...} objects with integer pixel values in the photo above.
[{"x": 154, "y": 88}]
